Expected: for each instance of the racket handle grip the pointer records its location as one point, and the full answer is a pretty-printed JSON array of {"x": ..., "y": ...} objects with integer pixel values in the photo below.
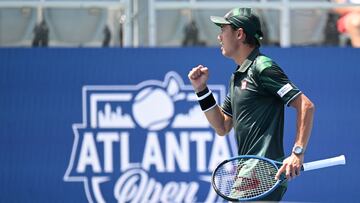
[{"x": 339, "y": 160}]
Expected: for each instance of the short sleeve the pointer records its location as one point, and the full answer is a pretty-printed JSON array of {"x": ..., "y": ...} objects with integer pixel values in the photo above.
[
  {"x": 274, "y": 80},
  {"x": 226, "y": 106}
]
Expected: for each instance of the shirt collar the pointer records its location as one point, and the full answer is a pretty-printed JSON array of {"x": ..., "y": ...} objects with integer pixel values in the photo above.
[{"x": 248, "y": 61}]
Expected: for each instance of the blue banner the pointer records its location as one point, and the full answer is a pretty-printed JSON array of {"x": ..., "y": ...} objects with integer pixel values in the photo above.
[{"x": 124, "y": 125}]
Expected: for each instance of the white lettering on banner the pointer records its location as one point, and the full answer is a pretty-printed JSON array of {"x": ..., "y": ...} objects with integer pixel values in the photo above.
[
  {"x": 125, "y": 153},
  {"x": 219, "y": 152},
  {"x": 152, "y": 154},
  {"x": 135, "y": 186},
  {"x": 201, "y": 138},
  {"x": 88, "y": 155},
  {"x": 176, "y": 153},
  {"x": 148, "y": 142},
  {"x": 108, "y": 138}
]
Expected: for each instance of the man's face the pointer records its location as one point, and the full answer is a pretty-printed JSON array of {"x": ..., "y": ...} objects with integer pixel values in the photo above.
[{"x": 229, "y": 40}]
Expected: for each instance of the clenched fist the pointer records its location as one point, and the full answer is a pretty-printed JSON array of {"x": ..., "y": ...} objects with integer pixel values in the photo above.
[{"x": 198, "y": 77}]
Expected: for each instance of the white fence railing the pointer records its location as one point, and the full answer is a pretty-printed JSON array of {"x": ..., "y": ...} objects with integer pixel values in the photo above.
[
  {"x": 131, "y": 29},
  {"x": 123, "y": 5},
  {"x": 284, "y": 6}
]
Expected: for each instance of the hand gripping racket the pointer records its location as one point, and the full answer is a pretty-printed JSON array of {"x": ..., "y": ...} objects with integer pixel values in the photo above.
[{"x": 244, "y": 178}]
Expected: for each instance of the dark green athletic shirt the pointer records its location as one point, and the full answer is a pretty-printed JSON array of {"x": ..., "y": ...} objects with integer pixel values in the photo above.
[{"x": 258, "y": 91}]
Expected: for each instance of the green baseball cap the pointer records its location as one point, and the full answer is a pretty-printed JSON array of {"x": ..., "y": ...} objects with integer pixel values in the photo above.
[{"x": 241, "y": 18}]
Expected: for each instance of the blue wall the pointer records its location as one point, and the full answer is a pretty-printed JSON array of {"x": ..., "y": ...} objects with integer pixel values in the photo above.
[{"x": 46, "y": 95}]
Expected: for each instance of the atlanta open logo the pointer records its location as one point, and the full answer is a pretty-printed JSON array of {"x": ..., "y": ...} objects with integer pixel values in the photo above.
[{"x": 148, "y": 142}]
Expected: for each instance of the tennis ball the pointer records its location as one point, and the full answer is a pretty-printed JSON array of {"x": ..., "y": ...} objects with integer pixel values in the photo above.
[{"x": 153, "y": 108}]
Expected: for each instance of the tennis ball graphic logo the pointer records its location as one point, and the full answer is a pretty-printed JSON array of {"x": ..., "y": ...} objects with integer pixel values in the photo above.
[{"x": 153, "y": 108}]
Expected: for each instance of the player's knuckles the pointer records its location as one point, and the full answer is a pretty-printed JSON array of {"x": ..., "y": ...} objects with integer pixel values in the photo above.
[
  {"x": 193, "y": 70},
  {"x": 205, "y": 70},
  {"x": 194, "y": 73},
  {"x": 293, "y": 173},
  {"x": 196, "y": 68},
  {"x": 296, "y": 166},
  {"x": 288, "y": 171},
  {"x": 191, "y": 76}
]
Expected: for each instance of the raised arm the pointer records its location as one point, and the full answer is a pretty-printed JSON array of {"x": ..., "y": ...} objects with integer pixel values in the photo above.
[{"x": 222, "y": 123}]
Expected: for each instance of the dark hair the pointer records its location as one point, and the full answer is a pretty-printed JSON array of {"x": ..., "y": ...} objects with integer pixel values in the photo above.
[{"x": 251, "y": 40}]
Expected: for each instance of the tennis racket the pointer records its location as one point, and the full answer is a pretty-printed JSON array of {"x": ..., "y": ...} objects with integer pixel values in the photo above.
[{"x": 249, "y": 177}]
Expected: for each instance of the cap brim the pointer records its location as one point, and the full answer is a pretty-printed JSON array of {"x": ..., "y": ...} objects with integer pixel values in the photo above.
[{"x": 219, "y": 20}]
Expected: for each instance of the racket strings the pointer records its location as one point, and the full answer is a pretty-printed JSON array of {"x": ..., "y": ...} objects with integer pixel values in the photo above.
[{"x": 245, "y": 178}]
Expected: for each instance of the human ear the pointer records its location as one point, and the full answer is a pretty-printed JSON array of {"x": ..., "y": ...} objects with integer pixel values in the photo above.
[{"x": 240, "y": 33}]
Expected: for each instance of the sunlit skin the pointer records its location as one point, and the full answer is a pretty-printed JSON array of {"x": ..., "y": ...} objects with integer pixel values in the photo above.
[{"x": 233, "y": 46}]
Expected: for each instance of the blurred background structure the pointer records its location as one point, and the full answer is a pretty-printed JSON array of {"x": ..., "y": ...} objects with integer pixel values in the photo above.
[
  {"x": 84, "y": 124},
  {"x": 138, "y": 23}
]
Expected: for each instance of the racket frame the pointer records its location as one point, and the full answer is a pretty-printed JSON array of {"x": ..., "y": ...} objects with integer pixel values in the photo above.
[
  {"x": 339, "y": 160},
  {"x": 276, "y": 164}
]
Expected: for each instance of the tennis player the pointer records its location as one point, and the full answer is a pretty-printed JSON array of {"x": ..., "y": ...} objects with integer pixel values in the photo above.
[{"x": 258, "y": 92}]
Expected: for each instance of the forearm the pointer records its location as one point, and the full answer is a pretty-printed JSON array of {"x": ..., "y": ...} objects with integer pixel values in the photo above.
[
  {"x": 305, "y": 116},
  {"x": 219, "y": 121}
]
